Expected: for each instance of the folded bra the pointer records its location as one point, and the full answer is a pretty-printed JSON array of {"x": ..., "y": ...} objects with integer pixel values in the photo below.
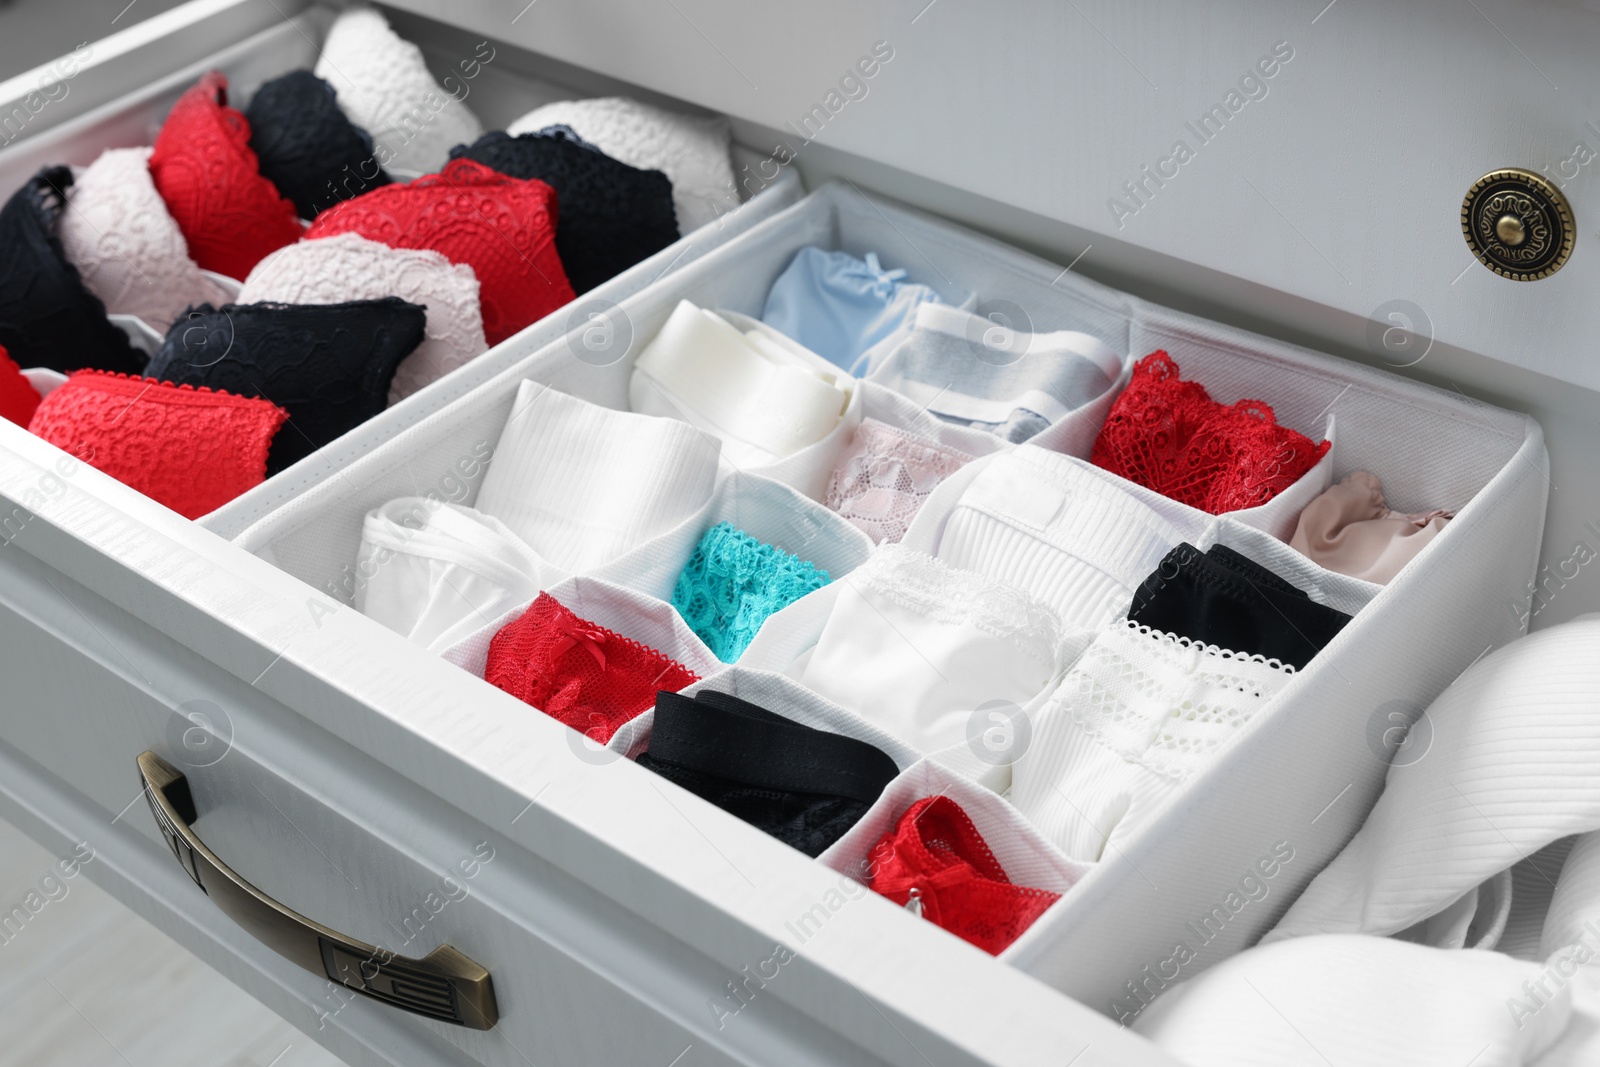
[
  {"x": 190, "y": 449},
  {"x": 117, "y": 231},
  {"x": 840, "y": 306},
  {"x": 384, "y": 87},
  {"x": 936, "y": 864},
  {"x": 212, "y": 184},
  {"x": 48, "y": 318},
  {"x": 1350, "y": 529},
  {"x": 733, "y": 583},
  {"x": 306, "y": 146},
  {"x": 1167, "y": 434},
  {"x": 587, "y": 676},
  {"x": 972, "y": 371},
  {"x": 328, "y": 365},
  {"x": 333, "y": 270},
  {"x": 610, "y": 215},
  {"x": 502, "y": 227},
  {"x": 1225, "y": 599},
  {"x": 804, "y": 786},
  {"x": 692, "y": 150}
]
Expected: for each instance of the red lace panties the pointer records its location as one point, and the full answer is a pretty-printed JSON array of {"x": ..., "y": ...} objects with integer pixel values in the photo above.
[
  {"x": 1169, "y": 435},
  {"x": 190, "y": 449},
  {"x": 591, "y": 678},
  {"x": 503, "y": 228},
  {"x": 204, "y": 169},
  {"x": 936, "y": 864}
]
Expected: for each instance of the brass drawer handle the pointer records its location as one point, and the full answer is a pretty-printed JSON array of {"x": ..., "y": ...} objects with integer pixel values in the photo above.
[
  {"x": 1518, "y": 224},
  {"x": 444, "y": 984}
]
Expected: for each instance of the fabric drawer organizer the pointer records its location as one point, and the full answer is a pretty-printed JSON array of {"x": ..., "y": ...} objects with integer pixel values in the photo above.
[
  {"x": 1297, "y": 775},
  {"x": 509, "y": 86}
]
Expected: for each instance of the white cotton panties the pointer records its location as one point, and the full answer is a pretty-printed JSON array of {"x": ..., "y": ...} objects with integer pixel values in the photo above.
[
  {"x": 1138, "y": 714},
  {"x": 437, "y": 572},
  {"x": 582, "y": 484}
]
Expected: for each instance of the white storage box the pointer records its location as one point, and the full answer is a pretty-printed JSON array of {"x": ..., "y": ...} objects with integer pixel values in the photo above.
[{"x": 1302, "y": 777}]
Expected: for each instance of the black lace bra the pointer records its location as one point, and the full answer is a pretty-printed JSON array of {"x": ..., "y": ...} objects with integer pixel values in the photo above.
[
  {"x": 307, "y": 147},
  {"x": 609, "y": 215},
  {"x": 328, "y": 365},
  {"x": 48, "y": 318}
]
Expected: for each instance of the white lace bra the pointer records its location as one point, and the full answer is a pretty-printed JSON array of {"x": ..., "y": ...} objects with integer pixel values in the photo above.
[
  {"x": 690, "y": 150},
  {"x": 116, "y": 230},
  {"x": 331, "y": 270}
]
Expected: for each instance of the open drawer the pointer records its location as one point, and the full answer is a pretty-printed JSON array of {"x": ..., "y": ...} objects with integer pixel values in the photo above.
[
  {"x": 509, "y": 85},
  {"x": 390, "y": 796},
  {"x": 1302, "y": 776}
]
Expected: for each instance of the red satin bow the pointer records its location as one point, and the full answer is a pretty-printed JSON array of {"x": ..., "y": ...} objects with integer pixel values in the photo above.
[{"x": 578, "y": 633}]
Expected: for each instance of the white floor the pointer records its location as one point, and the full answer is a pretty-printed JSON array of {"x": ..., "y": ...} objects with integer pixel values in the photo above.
[{"x": 87, "y": 983}]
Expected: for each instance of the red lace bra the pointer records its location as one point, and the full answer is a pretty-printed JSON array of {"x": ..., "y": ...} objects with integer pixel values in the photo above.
[
  {"x": 502, "y": 227},
  {"x": 208, "y": 176},
  {"x": 936, "y": 864},
  {"x": 591, "y": 678},
  {"x": 18, "y": 398},
  {"x": 1169, "y": 435},
  {"x": 190, "y": 449}
]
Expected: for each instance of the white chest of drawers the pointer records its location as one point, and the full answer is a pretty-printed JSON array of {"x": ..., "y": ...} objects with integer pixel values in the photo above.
[{"x": 354, "y": 782}]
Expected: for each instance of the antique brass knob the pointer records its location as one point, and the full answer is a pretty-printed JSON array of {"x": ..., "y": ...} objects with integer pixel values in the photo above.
[{"x": 1518, "y": 224}]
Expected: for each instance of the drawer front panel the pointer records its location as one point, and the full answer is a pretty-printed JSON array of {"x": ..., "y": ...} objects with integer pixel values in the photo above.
[{"x": 611, "y": 928}]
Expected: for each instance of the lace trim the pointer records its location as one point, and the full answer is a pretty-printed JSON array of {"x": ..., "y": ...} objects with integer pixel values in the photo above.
[
  {"x": 1204, "y": 649},
  {"x": 935, "y": 590},
  {"x": 1165, "y": 716}
]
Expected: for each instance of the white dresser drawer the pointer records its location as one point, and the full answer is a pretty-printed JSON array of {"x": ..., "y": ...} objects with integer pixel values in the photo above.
[{"x": 390, "y": 796}]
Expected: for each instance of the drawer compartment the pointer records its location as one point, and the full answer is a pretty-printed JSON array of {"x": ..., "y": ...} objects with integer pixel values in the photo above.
[
  {"x": 1300, "y": 779},
  {"x": 508, "y": 86}
]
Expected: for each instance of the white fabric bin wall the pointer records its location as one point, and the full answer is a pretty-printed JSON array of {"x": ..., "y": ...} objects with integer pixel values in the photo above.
[
  {"x": 510, "y": 87},
  {"x": 1308, "y": 770}
]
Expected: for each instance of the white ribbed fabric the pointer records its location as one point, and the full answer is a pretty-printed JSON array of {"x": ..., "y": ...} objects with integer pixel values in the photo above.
[
  {"x": 1574, "y": 912},
  {"x": 691, "y": 150},
  {"x": 1475, "y": 920},
  {"x": 1351, "y": 1001},
  {"x": 1510, "y": 769},
  {"x": 1067, "y": 532},
  {"x": 435, "y": 573},
  {"x": 385, "y": 88},
  {"x": 769, "y": 511},
  {"x": 582, "y": 484},
  {"x": 632, "y": 614},
  {"x": 762, "y": 394},
  {"x": 1026, "y": 857},
  {"x": 331, "y": 270},
  {"x": 129, "y": 250},
  {"x": 1139, "y": 713},
  {"x": 781, "y": 696},
  {"x": 919, "y": 647}
]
